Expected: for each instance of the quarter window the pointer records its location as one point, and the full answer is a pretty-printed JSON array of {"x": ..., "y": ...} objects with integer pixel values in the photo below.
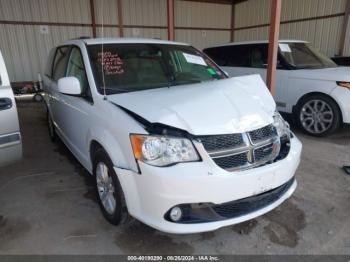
[
  {"x": 60, "y": 63},
  {"x": 76, "y": 68},
  {"x": 235, "y": 56},
  {"x": 49, "y": 64}
]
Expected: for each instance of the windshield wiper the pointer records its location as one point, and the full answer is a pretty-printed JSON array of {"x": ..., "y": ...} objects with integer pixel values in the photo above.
[{"x": 113, "y": 91}]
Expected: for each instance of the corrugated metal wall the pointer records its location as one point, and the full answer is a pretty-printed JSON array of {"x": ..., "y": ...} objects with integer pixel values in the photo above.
[
  {"x": 140, "y": 13},
  {"x": 106, "y": 12},
  {"x": 323, "y": 33},
  {"x": 347, "y": 41},
  {"x": 45, "y": 10},
  {"x": 145, "y": 12},
  {"x": 202, "y": 15},
  {"x": 25, "y": 47}
]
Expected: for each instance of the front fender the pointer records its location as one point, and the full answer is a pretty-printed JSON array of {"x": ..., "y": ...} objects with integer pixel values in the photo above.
[
  {"x": 121, "y": 157},
  {"x": 301, "y": 87}
]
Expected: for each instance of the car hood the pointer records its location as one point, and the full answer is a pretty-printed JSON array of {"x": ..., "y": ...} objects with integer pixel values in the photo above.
[
  {"x": 326, "y": 74},
  {"x": 226, "y": 106}
]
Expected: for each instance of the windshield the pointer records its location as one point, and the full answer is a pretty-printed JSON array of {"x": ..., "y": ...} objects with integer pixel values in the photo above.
[
  {"x": 124, "y": 68},
  {"x": 304, "y": 56}
]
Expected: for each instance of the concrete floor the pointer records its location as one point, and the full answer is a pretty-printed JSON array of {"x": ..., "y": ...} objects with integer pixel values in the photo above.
[{"x": 48, "y": 206}]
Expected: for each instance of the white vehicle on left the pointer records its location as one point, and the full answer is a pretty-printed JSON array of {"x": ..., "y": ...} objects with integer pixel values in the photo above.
[{"x": 10, "y": 136}]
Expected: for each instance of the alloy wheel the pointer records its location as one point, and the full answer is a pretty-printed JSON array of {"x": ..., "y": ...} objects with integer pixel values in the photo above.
[
  {"x": 316, "y": 116},
  {"x": 105, "y": 188}
]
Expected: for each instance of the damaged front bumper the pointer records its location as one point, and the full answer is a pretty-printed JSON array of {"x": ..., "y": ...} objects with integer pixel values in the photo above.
[{"x": 151, "y": 195}]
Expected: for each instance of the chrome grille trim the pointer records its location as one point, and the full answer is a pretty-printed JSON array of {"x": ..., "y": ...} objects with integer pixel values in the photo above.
[
  {"x": 215, "y": 143},
  {"x": 256, "y": 136},
  {"x": 252, "y": 143}
]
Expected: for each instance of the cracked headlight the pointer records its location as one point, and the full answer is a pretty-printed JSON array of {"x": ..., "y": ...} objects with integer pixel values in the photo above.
[
  {"x": 281, "y": 125},
  {"x": 162, "y": 150}
]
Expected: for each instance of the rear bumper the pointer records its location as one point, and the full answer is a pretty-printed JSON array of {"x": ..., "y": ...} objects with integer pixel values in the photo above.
[{"x": 149, "y": 196}]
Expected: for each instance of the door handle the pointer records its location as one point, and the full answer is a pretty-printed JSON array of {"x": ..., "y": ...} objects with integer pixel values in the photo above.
[{"x": 5, "y": 103}]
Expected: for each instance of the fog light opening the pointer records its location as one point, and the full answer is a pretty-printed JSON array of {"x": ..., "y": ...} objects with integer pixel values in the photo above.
[{"x": 176, "y": 214}]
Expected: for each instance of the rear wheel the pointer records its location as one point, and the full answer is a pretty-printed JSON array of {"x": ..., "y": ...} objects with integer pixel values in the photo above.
[
  {"x": 318, "y": 115},
  {"x": 108, "y": 189}
]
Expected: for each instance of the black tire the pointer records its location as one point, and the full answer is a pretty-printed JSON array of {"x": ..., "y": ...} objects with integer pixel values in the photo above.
[
  {"x": 120, "y": 213},
  {"x": 51, "y": 127},
  {"x": 334, "y": 122},
  {"x": 38, "y": 98}
]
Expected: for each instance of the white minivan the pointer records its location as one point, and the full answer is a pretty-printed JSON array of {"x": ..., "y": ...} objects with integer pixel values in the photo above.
[
  {"x": 167, "y": 136},
  {"x": 309, "y": 85}
]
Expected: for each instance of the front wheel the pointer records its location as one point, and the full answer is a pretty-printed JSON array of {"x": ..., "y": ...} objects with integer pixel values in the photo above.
[
  {"x": 318, "y": 115},
  {"x": 108, "y": 189}
]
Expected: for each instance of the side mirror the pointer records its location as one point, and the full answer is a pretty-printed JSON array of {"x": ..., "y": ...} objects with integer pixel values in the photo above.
[{"x": 69, "y": 86}]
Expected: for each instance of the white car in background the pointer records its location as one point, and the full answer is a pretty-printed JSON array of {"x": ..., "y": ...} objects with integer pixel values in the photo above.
[
  {"x": 167, "y": 136},
  {"x": 309, "y": 85},
  {"x": 10, "y": 136}
]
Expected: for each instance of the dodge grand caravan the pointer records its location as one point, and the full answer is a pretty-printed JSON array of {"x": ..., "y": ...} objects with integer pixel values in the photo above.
[
  {"x": 167, "y": 136},
  {"x": 309, "y": 85}
]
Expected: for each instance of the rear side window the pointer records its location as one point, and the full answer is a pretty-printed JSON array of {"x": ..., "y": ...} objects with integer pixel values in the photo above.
[
  {"x": 235, "y": 56},
  {"x": 60, "y": 63},
  {"x": 258, "y": 56}
]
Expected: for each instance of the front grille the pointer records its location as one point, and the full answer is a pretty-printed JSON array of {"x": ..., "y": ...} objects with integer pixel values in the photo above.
[
  {"x": 221, "y": 142},
  {"x": 251, "y": 204},
  {"x": 263, "y": 153},
  {"x": 234, "y": 161},
  {"x": 262, "y": 134},
  {"x": 242, "y": 151}
]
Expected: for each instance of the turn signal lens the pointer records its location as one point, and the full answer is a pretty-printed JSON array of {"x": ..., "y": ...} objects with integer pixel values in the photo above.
[
  {"x": 137, "y": 142},
  {"x": 344, "y": 84}
]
